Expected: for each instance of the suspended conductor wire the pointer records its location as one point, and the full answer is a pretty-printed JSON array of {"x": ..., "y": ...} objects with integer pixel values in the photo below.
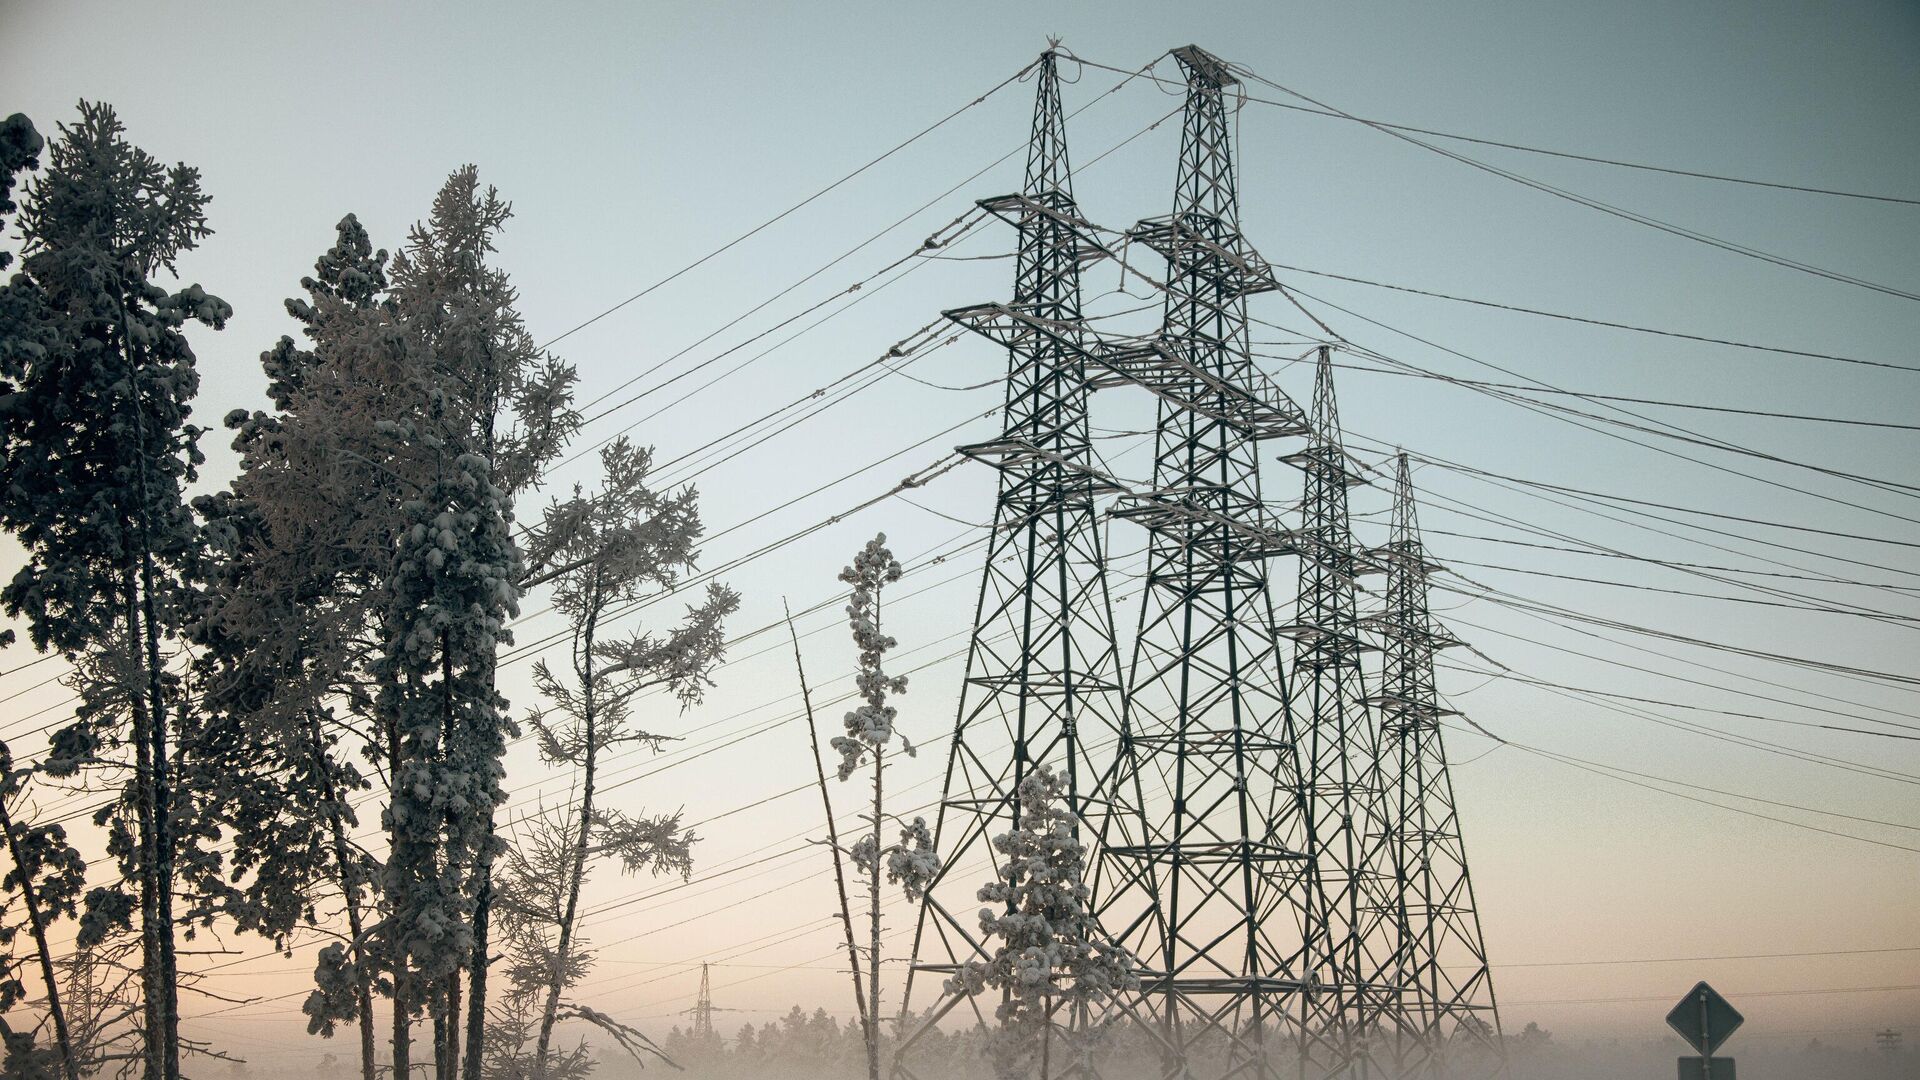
[
  {"x": 1682, "y": 335},
  {"x": 1670, "y": 431},
  {"x": 1597, "y": 160},
  {"x": 916, "y": 137},
  {"x": 1609, "y": 208},
  {"x": 1589, "y": 395}
]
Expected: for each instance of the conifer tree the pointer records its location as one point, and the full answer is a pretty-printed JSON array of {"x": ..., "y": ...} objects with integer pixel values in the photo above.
[
  {"x": 95, "y": 451},
  {"x": 869, "y": 731},
  {"x": 1049, "y": 951},
  {"x": 297, "y": 553},
  {"x": 376, "y": 505},
  {"x": 607, "y": 552},
  {"x": 476, "y": 414}
]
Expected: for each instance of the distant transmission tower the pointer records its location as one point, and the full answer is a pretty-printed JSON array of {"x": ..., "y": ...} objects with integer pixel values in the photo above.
[
  {"x": 1452, "y": 1024},
  {"x": 1340, "y": 746},
  {"x": 703, "y": 1008},
  {"x": 1042, "y": 671},
  {"x": 1227, "y": 852}
]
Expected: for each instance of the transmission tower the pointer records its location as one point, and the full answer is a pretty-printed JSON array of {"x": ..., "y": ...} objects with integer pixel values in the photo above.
[
  {"x": 1340, "y": 745},
  {"x": 1227, "y": 851},
  {"x": 1041, "y": 682},
  {"x": 1440, "y": 963},
  {"x": 703, "y": 1009}
]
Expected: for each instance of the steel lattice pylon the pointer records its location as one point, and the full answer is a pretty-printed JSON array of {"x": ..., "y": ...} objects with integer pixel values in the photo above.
[
  {"x": 1340, "y": 749},
  {"x": 703, "y": 1009},
  {"x": 1452, "y": 1026},
  {"x": 1042, "y": 670},
  {"x": 1227, "y": 849}
]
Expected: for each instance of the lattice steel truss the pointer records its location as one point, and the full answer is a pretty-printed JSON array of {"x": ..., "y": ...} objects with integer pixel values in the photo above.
[
  {"x": 1042, "y": 684},
  {"x": 1452, "y": 1025},
  {"x": 1227, "y": 852},
  {"x": 1281, "y": 853},
  {"x": 1340, "y": 750}
]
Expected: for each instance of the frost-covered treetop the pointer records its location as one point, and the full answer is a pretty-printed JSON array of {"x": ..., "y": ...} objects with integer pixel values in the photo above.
[{"x": 870, "y": 726}]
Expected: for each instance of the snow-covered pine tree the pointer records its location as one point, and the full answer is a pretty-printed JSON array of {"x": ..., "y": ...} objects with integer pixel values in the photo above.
[
  {"x": 478, "y": 412},
  {"x": 1049, "y": 952},
  {"x": 298, "y": 551},
  {"x": 95, "y": 450},
  {"x": 602, "y": 554},
  {"x": 869, "y": 731}
]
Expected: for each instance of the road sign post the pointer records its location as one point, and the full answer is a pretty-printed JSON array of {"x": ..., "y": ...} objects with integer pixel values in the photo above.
[{"x": 1704, "y": 1019}]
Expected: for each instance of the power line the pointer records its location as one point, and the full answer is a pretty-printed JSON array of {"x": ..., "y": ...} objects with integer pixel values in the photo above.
[
  {"x": 953, "y": 231},
  {"x": 1648, "y": 559},
  {"x": 729, "y": 245},
  {"x": 1508, "y": 674},
  {"x": 1604, "y": 207},
  {"x": 1821, "y": 609},
  {"x": 1567, "y": 490},
  {"x": 1639, "y": 780},
  {"x": 1594, "y": 159},
  {"x": 919, "y": 252},
  {"x": 1562, "y": 412},
  {"x": 1603, "y": 322},
  {"x": 1740, "y": 994},
  {"x": 925, "y": 247},
  {"x": 1661, "y": 402},
  {"x": 1506, "y": 599},
  {"x": 1490, "y": 517},
  {"x": 1732, "y": 738},
  {"x": 1571, "y": 759},
  {"x": 1724, "y": 956},
  {"x": 1661, "y": 428}
]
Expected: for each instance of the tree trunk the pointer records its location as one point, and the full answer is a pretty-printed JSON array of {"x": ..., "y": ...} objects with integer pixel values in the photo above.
[
  {"x": 159, "y": 960},
  {"x": 402, "y": 1027},
  {"x": 453, "y": 1025},
  {"x": 873, "y": 911},
  {"x": 396, "y": 937},
  {"x": 477, "y": 967},
  {"x": 151, "y": 1023},
  {"x": 576, "y": 874},
  {"x": 437, "y": 1007},
  {"x": 39, "y": 927},
  {"x": 477, "y": 976},
  {"x": 833, "y": 839},
  {"x": 350, "y": 888},
  {"x": 1046, "y": 1036},
  {"x": 163, "y": 836}
]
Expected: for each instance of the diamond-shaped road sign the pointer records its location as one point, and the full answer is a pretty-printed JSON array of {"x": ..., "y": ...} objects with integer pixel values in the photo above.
[{"x": 1704, "y": 1019}]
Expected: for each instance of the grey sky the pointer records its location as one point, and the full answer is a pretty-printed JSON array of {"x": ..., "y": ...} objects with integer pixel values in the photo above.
[{"x": 635, "y": 138}]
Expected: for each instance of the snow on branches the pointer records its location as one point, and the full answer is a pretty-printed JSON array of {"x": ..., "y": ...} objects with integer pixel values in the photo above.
[
  {"x": 870, "y": 727},
  {"x": 1050, "y": 948}
]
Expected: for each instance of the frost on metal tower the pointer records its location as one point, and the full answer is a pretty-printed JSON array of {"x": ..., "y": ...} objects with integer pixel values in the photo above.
[
  {"x": 1042, "y": 672},
  {"x": 1340, "y": 748},
  {"x": 1452, "y": 1025},
  {"x": 1226, "y": 850}
]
